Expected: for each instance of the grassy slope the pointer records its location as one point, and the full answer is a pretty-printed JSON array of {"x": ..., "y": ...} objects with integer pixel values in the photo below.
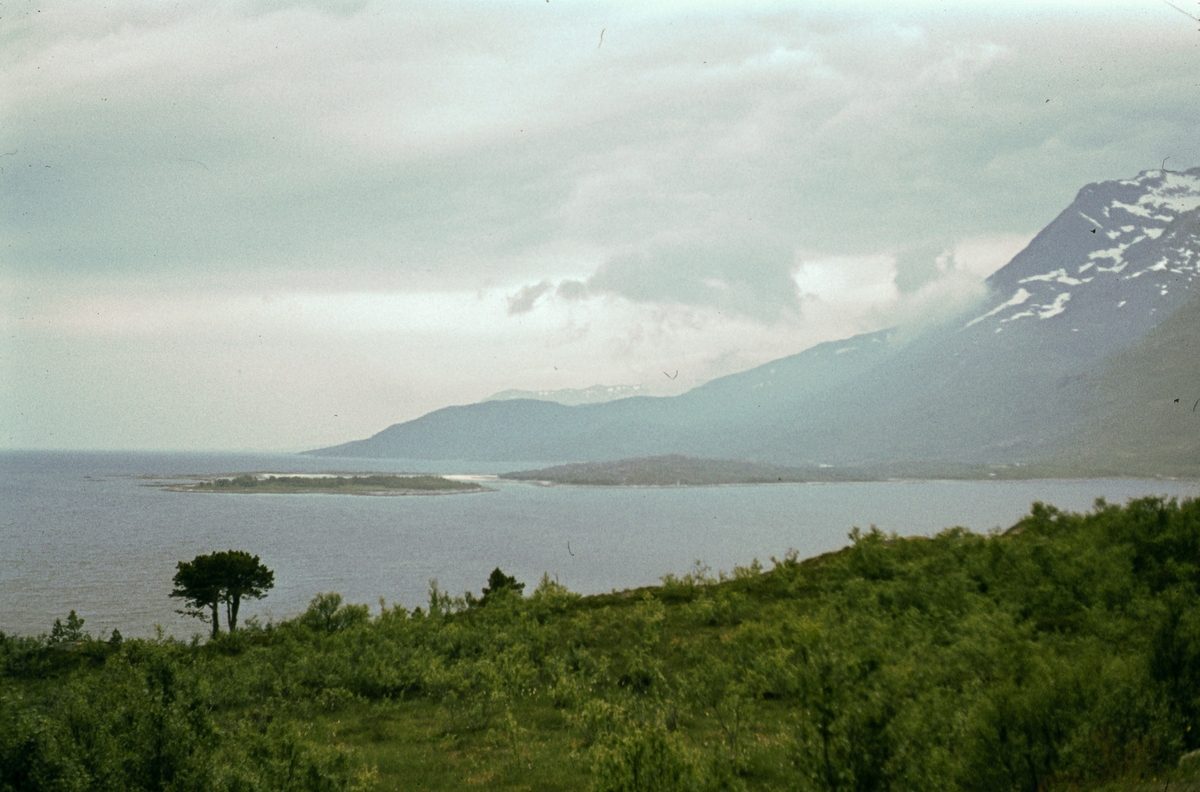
[{"x": 1064, "y": 654}]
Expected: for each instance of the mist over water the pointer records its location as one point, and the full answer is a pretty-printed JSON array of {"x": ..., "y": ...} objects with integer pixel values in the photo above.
[{"x": 85, "y": 531}]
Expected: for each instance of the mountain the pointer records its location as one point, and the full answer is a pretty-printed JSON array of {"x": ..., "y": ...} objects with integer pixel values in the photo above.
[
  {"x": 1072, "y": 364},
  {"x": 574, "y": 396},
  {"x": 639, "y": 426},
  {"x": 1147, "y": 419}
]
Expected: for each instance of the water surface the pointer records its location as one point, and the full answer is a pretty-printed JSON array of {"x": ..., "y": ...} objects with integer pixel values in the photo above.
[{"x": 82, "y": 531}]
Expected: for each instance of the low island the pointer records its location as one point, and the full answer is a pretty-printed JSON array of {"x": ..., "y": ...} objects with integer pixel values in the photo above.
[{"x": 376, "y": 484}]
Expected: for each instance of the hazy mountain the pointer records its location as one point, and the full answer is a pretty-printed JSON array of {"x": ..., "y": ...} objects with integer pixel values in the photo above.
[
  {"x": 571, "y": 397},
  {"x": 689, "y": 424},
  {"x": 1084, "y": 343},
  {"x": 1145, "y": 418}
]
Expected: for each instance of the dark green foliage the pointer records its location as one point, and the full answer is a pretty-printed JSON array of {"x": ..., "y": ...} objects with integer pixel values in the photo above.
[
  {"x": 197, "y": 583},
  {"x": 326, "y": 613},
  {"x": 1175, "y": 660},
  {"x": 145, "y": 721},
  {"x": 226, "y": 577},
  {"x": 1063, "y": 654},
  {"x": 241, "y": 575},
  {"x": 69, "y": 632},
  {"x": 500, "y": 584},
  {"x": 643, "y": 758}
]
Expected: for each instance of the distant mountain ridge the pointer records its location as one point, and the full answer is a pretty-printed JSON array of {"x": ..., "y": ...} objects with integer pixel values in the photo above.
[
  {"x": 1096, "y": 310},
  {"x": 574, "y": 396}
]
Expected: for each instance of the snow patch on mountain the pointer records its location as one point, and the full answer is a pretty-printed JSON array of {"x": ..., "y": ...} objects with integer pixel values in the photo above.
[
  {"x": 1055, "y": 308},
  {"x": 1147, "y": 240},
  {"x": 1115, "y": 254},
  {"x": 1017, "y": 299},
  {"x": 1134, "y": 209},
  {"x": 1058, "y": 276},
  {"x": 1179, "y": 192}
]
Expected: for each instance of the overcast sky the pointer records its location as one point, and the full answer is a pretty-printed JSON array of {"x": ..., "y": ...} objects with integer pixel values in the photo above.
[{"x": 275, "y": 226}]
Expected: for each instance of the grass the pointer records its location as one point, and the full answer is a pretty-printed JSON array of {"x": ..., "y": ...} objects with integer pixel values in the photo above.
[{"x": 415, "y": 745}]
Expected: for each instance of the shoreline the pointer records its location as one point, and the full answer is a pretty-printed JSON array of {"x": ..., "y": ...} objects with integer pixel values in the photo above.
[{"x": 550, "y": 483}]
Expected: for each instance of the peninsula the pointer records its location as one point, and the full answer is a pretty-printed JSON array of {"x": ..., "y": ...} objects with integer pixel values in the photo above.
[{"x": 673, "y": 470}]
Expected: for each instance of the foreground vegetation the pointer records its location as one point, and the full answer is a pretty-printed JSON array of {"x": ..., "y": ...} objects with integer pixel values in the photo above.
[
  {"x": 335, "y": 485},
  {"x": 1063, "y": 654}
]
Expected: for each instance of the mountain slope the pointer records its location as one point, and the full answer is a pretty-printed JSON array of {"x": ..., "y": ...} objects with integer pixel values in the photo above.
[
  {"x": 571, "y": 397},
  {"x": 1053, "y": 367},
  {"x": 691, "y": 424},
  {"x": 1146, "y": 414}
]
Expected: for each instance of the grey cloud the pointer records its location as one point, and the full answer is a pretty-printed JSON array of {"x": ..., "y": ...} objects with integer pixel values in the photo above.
[
  {"x": 274, "y": 146},
  {"x": 522, "y": 301},
  {"x": 916, "y": 265},
  {"x": 833, "y": 134},
  {"x": 335, "y": 8},
  {"x": 572, "y": 290},
  {"x": 747, "y": 275}
]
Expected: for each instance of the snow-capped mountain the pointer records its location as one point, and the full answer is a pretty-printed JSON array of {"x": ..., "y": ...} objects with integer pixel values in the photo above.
[
  {"x": 1118, "y": 260},
  {"x": 1083, "y": 335}
]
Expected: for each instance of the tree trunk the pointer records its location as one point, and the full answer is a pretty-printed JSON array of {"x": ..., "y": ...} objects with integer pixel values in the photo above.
[
  {"x": 234, "y": 603},
  {"x": 216, "y": 617}
]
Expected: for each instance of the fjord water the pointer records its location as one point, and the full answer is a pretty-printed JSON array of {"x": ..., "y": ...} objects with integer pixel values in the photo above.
[{"x": 89, "y": 531}]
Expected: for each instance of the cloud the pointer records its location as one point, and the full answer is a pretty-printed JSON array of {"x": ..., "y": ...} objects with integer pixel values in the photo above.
[
  {"x": 860, "y": 294},
  {"x": 523, "y": 300},
  {"x": 385, "y": 187},
  {"x": 863, "y": 282},
  {"x": 741, "y": 273},
  {"x": 182, "y": 362},
  {"x": 572, "y": 290},
  {"x": 439, "y": 144},
  {"x": 980, "y": 256}
]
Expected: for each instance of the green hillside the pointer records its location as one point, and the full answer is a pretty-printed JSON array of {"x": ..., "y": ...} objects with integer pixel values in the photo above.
[
  {"x": 1063, "y": 654},
  {"x": 1146, "y": 405}
]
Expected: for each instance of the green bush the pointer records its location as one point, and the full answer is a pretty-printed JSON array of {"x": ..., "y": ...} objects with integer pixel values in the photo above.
[{"x": 1062, "y": 654}]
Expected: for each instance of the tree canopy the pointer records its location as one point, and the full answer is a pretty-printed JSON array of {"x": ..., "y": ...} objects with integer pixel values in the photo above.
[
  {"x": 207, "y": 581},
  {"x": 499, "y": 582}
]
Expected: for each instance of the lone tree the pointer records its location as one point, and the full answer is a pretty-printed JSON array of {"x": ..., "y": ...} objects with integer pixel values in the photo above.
[
  {"x": 499, "y": 584},
  {"x": 196, "y": 581},
  {"x": 209, "y": 580}
]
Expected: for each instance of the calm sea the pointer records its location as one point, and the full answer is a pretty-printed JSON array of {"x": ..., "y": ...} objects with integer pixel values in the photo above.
[{"x": 89, "y": 532}]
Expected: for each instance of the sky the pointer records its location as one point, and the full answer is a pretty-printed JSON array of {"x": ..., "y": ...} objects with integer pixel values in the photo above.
[{"x": 276, "y": 226}]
